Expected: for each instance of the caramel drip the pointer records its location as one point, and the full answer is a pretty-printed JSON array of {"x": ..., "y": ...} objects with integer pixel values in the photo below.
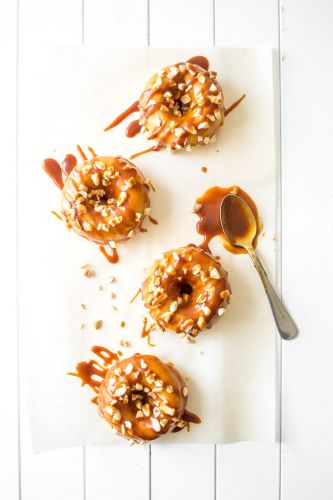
[
  {"x": 191, "y": 417},
  {"x": 208, "y": 208},
  {"x": 135, "y": 296},
  {"x": 143, "y": 230},
  {"x": 152, "y": 220},
  {"x": 87, "y": 371},
  {"x": 81, "y": 152},
  {"x": 91, "y": 151},
  {"x": 132, "y": 109},
  {"x": 122, "y": 324},
  {"x": 201, "y": 61},
  {"x": 52, "y": 168},
  {"x": 234, "y": 105},
  {"x": 133, "y": 129},
  {"x": 105, "y": 354},
  {"x": 154, "y": 148},
  {"x": 112, "y": 257},
  {"x": 68, "y": 164}
]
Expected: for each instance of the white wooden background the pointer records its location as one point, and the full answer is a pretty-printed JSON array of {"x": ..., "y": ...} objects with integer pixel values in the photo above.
[{"x": 300, "y": 467}]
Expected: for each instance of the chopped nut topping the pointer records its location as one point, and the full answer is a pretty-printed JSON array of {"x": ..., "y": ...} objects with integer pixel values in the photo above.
[
  {"x": 179, "y": 131},
  {"x": 167, "y": 410},
  {"x": 120, "y": 391},
  {"x": 95, "y": 178},
  {"x": 156, "y": 425},
  {"x": 220, "y": 311},
  {"x": 122, "y": 198},
  {"x": 206, "y": 310},
  {"x": 129, "y": 369},
  {"x": 201, "y": 323},
  {"x": 87, "y": 227},
  {"x": 169, "y": 389},
  {"x": 143, "y": 364},
  {"x": 203, "y": 125},
  {"x": 146, "y": 410},
  {"x": 128, "y": 424},
  {"x": 98, "y": 324},
  {"x": 185, "y": 391},
  {"x": 196, "y": 269},
  {"x": 214, "y": 273},
  {"x": 89, "y": 273},
  {"x": 139, "y": 414}
]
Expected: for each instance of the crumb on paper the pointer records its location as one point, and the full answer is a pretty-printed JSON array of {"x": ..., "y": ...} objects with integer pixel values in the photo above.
[
  {"x": 201, "y": 352},
  {"x": 82, "y": 326},
  {"x": 274, "y": 237},
  {"x": 124, "y": 343},
  {"x": 98, "y": 324},
  {"x": 112, "y": 295},
  {"x": 113, "y": 307},
  {"x": 84, "y": 306},
  {"x": 189, "y": 339},
  {"x": 122, "y": 324},
  {"x": 101, "y": 288},
  {"x": 204, "y": 169},
  {"x": 89, "y": 273},
  {"x": 111, "y": 279}
]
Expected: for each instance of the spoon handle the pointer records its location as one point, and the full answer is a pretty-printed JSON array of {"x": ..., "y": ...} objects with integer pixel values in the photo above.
[{"x": 284, "y": 322}]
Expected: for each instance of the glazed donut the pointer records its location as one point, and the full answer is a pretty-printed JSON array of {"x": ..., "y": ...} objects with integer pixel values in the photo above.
[
  {"x": 186, "y": 290},
  {"x": 105, "y": 199},
  {"x": 181, "y": 106},
  {"x": 142, "y": 398}
]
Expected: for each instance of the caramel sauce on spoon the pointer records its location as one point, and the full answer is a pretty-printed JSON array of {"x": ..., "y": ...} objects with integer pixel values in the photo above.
[{"x": 208, "y": 207}]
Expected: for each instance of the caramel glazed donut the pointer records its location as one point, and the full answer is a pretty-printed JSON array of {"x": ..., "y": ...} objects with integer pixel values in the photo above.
[
  {"x": 143, "y": 398},
  {"x": 181, "y": 106},
  {"x": 105, "y": 199},
  {"x": 186, "y": 290}
]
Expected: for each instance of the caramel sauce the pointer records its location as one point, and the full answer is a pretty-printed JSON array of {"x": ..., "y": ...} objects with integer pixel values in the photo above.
[
  {"x": 112, "y": 257},
  {"x": 201, "y": 61},
  {"x": 235, "y": 219},
  {"x": 122, "y": 324},
  {"x": 133, "y": 129},
  {"x": 208, "y": 211},
  {"x": 81, "y": 153},
  {"x": 132, "y": 109},
  {"x": 87, "y": 371},
  {"x": 149, "y": 150},
  {"x": 191, "y": 417},
  {"x": 234, "y": 105},
  {"x": 52, "y": 168},
  {"x": 152, "y": 220},
  {"x": 68, "y": 164}
]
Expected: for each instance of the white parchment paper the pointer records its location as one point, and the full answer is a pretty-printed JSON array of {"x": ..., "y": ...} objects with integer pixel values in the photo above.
[{"x": 68, "y": 95}]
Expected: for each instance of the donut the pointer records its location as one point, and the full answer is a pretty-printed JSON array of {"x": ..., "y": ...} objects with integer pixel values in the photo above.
[
  {"x": 181, "y": 106},
  {"x": 142, "y": 398},
  {"x": 186, "y": 290},
  {"x": 105, "y": 199}
]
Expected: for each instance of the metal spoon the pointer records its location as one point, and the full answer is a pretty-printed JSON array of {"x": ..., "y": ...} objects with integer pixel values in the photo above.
[{"x": 241, "y": 233}]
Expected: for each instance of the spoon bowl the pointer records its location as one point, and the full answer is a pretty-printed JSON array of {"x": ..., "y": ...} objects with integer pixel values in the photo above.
[
  {"x": 240, "y": 228},
  {"x": 238, "y": 221}
]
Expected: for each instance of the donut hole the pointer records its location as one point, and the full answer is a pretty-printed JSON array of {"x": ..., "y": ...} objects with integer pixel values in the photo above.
[{"x": 185, "y": 289}]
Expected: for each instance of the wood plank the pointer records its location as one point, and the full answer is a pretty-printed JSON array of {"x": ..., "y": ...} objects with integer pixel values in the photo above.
[
  {"x": 307, "y": 409},
  {"x": 249, "y": 471},
  {"x": 9, "y": 436},
  {"x": 57, "y": 474},
  {"x": 181, "y": 24},
  {"x": 118, "y": 23}
]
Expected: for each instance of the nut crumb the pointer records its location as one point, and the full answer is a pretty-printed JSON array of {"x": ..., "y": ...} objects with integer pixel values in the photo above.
[
  {"x": 89, "y": 273},
  {"x": 84, "y": 306},
  {"x": 98, "y": 324}
]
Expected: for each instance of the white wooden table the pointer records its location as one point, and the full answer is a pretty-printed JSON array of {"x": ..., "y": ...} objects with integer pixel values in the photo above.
[{"x": 300, "y": 466}]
